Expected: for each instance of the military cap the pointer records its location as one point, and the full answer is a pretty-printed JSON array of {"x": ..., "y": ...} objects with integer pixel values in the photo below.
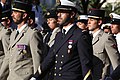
[
  {"x": 106, "y": 26},
  {"x": 66, "y": 5},
  {"x": 51, "y": 14},
  {"x": 21, "y": 6},
  {"x": 82, "y": 18},
  {"x": 6, "y": 14},
  {"x": 96, "y": 14},
  {"x": 115, "y": 18},
  {"x": 32, "y": 15}
]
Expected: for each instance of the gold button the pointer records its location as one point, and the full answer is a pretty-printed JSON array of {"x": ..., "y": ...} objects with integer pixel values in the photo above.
[
  {"x": 54, "y": 74},
  {"x": 55, "y": 68},
  {"x": 60, "y": 74},
  {"x": 62, "y": 56},
  {"x": 60, "y": 68},
  {"x": 61, "y": 62},
  {"x": 56, "y": 55},
  {"x": 55, "y": 61}
]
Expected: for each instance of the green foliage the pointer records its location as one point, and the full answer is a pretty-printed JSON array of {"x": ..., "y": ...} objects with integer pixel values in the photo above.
[{"x": 109, "y": 7}]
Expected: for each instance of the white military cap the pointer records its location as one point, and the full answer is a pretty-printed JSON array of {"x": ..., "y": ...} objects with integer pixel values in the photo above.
[
  {"x": 66, "y": 5},
  {"x": 83, "y": 17},
  {"x": 115, "y": 18}
]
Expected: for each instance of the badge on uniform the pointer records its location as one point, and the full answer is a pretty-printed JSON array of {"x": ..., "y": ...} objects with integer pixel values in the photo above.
[
  {"x": 70, "y": 42},
  {"x": 21, "y": 46}
]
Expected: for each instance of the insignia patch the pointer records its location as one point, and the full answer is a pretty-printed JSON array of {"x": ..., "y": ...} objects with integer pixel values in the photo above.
[{"x": 21, "y": 46}]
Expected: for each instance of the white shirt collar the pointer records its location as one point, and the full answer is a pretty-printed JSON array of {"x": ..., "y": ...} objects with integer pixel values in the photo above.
[
  {"x": 67, "y": 28},
  {"x": 22, "y": 27},
  {"x": 95, "y": 34},
  {"x": 117, "y": 35},
  {"x": 2, "y": 4}
]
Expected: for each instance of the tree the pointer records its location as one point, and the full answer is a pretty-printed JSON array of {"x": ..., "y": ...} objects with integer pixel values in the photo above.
[
  {"x": 85, "y": 5},
  {"x": 109, "y": 7}
]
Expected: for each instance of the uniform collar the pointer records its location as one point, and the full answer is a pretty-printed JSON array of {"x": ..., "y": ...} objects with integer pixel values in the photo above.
[
  {"x": 67, "y": 28},
  {"x": 96, "y": 33},
  {"x": 22, "y": 27}
]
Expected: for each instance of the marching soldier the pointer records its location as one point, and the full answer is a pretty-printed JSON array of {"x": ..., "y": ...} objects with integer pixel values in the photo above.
[
  {"x": 4, "y": 43},
  {"x": 71, "y": 56},
  {"x": 103, "y": 45},
  {"x": 115, "y": 28},
  {"x": 25, "y": 47}
]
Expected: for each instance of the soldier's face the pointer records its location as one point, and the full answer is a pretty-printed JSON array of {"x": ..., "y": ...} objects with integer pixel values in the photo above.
[
  {"x": 92, "y": 24},
  {"x": 52, "y": 23},
  {"x": 115, "y": 28},
  {"x": 63, "y": 17},
  {"x": 81, "y": 25},
  {"x": 17, "y": 17}
]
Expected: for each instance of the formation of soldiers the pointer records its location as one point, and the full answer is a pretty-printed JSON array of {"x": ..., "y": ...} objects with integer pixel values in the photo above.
[{"x": 61, "y": 48}]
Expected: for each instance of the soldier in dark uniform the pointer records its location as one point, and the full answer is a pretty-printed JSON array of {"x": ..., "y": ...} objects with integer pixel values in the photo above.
[{"x": 71, "y": 55}]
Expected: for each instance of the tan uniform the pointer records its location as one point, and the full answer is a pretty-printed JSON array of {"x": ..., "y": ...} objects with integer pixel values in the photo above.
[
  {"x": 104, "y": 48},
  {"x": 4, "y": 43},
  {"x": 24, "y": 54}
]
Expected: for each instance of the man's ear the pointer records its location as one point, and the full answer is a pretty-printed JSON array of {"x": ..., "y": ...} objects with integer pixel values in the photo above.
[
  {"x": 8, "y": 21},
  {"x": 25, "y": 15},
  {"x": 72, "y": 14},
  {"x": 99, "y": 22}
]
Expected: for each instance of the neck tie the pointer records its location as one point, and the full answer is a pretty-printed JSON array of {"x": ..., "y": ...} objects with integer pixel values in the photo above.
[
  {"x": 91, "y": 36},
  {"x": 63, "y": 33},
  {"x": 16, "y": 34}
]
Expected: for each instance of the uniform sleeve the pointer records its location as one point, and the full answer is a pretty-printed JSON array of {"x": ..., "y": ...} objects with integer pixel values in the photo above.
[
  {"x": 112, "y": 52},
  {"x": 4, "y": 70},
  {"x": 36, "y": 47},
  {"x": 85, "y": 54}
]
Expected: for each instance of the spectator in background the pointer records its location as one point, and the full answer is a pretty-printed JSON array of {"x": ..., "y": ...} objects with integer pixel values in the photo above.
[{"x": 38, "y": 14}]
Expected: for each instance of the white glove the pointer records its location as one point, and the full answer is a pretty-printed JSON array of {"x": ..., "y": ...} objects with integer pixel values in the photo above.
[{"x": 33, "y": 78}]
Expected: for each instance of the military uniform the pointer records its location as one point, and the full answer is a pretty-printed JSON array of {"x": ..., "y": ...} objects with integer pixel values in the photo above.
[
  {"x": 115, "y": 22},
  {"x": 24, "y": 51},
  {"x": 68, "y": 55},
  {"x": 104, "y": 46},
  {"x": 4, "y": 42}
]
